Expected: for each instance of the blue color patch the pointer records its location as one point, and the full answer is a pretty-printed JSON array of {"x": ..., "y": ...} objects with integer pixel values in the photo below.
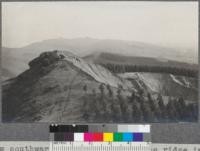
[
  {"x": 127, "y": 137},
  {"x": 138, "y": 137}
]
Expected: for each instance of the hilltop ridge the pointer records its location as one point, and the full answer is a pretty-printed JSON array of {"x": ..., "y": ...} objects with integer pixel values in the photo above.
[{"x": 56, "y": 84}]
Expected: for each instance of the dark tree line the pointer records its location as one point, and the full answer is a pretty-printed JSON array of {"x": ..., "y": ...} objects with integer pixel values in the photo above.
[
  {"x": 105, "y": 106},
  {"x": 121, "y": 68}
]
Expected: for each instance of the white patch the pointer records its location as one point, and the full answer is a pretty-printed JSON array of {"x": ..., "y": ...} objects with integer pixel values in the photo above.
[{"x": 78, "y": 137}]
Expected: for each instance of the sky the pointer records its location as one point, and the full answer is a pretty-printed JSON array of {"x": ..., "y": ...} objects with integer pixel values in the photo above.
[{"x": 171, "y": 24}]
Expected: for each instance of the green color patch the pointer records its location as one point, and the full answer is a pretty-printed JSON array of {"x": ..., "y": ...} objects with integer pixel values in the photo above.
[{"x": 118, "y": 137}]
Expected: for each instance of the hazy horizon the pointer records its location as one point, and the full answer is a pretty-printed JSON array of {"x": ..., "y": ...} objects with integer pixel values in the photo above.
[
  {"x": 92, "y": 38},
  {"x": 167, "y": 24}
]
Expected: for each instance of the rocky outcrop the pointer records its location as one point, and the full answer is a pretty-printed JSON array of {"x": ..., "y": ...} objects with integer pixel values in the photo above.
[{"x": 46, "y": 58}]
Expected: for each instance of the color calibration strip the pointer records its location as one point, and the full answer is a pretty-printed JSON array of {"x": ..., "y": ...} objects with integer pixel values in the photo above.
[
  {"x": 100, "y": 133},
  {"x": 99, "y": 137}
]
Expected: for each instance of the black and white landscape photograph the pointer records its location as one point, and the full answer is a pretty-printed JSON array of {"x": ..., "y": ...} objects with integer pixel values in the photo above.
[{"x": 99, "y": 62}]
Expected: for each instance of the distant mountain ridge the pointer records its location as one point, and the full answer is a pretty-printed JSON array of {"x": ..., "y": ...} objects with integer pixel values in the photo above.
[
  {"x": 15, "y": 60},
  {"x": 86, "y": 46}
]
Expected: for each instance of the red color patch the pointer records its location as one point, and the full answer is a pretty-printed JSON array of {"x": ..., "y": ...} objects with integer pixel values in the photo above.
[{"x": 97, "y": 137}]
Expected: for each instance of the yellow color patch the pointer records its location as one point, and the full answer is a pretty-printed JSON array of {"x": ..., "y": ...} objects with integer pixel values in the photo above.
[{"x": 108, "y": 137}]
